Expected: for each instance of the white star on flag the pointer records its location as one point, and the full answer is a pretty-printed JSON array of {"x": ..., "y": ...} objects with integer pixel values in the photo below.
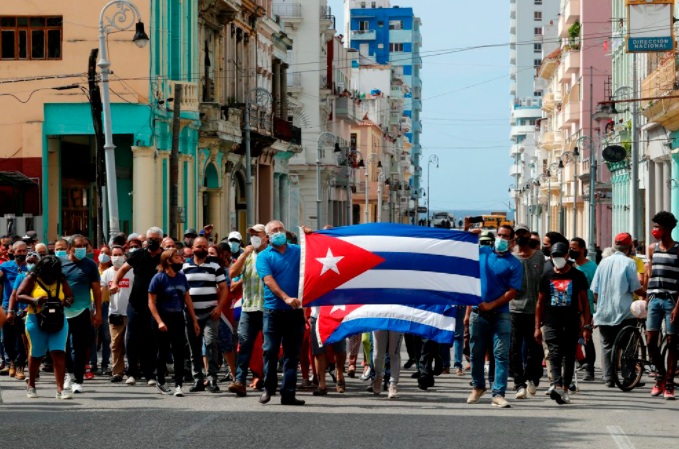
[
  {"x": 329, "y": 262},
  {"x": 336, "y": 308}
]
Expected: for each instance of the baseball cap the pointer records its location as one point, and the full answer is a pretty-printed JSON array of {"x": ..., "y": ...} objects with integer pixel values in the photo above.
[
  {"x": 521, "y": 227},
  {"x": 191, "y": 232},
  {"x": 256, "y": 228},
  {"x": 623, "y": 239},
  {"x": 559, "y": 249},
  {"x": 486, "y": 235},
  {"x": 202, "y": 232},
  {"x": 235, "y": 235}
]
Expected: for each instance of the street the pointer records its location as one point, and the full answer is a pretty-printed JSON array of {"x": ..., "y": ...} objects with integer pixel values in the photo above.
[{"x": 109, "y": 415}]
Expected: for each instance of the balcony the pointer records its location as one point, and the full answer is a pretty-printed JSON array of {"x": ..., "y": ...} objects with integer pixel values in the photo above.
[
  {"x": 515, "y": 170},
  {"x": 570, "y": 13},
  {"x": 571, "y": 113},
  {"x": 417, "y": 126},
  {"x": 189, "y": 101},
  {"x": 571, "y": 62},
  {"x": 515, "y": 149},
  {"x": 550, "y": 100},
  {"x": 396, "y": 93},
  {"x": 521, "y": 130},
  {"x": 284, "y": 130},
  {"x": 662, "y": 82},
  {"x": 512, "y": 88},
  {"x": 417, "y": 37},
  {"x": 326, "y": 17},
  {"x": 221, "y": 122},
  {"x": 405, "y": 124},
  {"x": 363, "y": 35},
  {"x": 294, "y": 82},
  {"x": 290, "y": 12},
  {"x": 345, "y": 108}
]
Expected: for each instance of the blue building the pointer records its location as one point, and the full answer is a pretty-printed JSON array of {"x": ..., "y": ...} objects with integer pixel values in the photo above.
[{"x": 391, "y": 35}]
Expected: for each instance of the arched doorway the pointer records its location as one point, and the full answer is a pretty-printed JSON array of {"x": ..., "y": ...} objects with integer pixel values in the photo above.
[{"x": 211, "y": 185}]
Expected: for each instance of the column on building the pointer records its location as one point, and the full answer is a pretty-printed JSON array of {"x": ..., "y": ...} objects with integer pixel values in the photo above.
[
  {"x": 284, "y": 195},
  {"x": 276, "y": 197},
  {"x": 658, "y": 182},
  {"x": 144, "y": 188},
  {"x": 284, "y": 91},
  {"x": 276, "y": 87},
  {"x": 53, "y": 192},
  {"x": 667, "y": 186}
]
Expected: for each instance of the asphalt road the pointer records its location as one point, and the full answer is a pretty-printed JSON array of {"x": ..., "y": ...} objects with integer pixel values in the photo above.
[{"x": 117, "y": 416}]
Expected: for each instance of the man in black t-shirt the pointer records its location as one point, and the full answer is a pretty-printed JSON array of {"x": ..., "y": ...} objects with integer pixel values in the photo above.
[
  {"x": 563, "y": 310},
  {"x": 140, "y": 342}
]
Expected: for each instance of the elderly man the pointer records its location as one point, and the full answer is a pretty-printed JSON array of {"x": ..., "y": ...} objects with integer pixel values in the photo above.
[
  {"x": 613, "y": 286},
  {"x": 41, "y": 250},
  {"x": 11, "y": 338},
  {"x": 284, "y": 321}
]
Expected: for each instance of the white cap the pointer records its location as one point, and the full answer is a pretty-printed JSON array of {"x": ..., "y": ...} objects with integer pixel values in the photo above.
[{"x": 235, "y": 235}]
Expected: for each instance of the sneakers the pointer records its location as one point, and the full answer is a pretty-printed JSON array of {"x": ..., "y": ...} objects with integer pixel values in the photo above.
[
  {"x": 12, "y": 369},
  {"x": 68, "y": 382},
  {"x": 393, "y": 392},
  {"x": 574, "y": 388},
  {"x": 366, "y": 374},
  {"x": 669, "y": 391},
  {"x": 500, "y": 402},
  {"x": 475, "y": 395},
  {"x": 566, "y": 397},
  {"x": 178, "y": 393},
  {"x": 532, "y": 389},
  {"x": 19, "y": 375},
  {"x": 377, "y": 386},
  {"x": 306, "y": 383},
  {"x": 131, "y": 380},
  {"x": 164, "y": 389},
  {"x": 116, "y": 379},
  {"x": 658, "y": 388},
  {"x": 89, "y": 376},
  {"x": 77, "y": 388},
  {"x": 31, "y": 393},
  {"x": 549, "y": 391},
  {"x": 152, "y": 382},
  {"x": 4, "y": 370},
  {"x": 65, "y": 394},
  {"x": 522, "y": 393},
  {"x": 557, "y": 394},
  {"x": 589, "y": 377}
]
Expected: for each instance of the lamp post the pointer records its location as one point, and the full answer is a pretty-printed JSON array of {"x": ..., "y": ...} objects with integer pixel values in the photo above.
[
  {"x": 370, "y": 159},
  {"x": 345, "y": 153},
  {"x": 260, "y": 98},
  {"x": 118, "y": 20},
  {"x": 381, "y": 180},
  {"x": 326, "y": 139},
  {"x": 432, "y": 159}
]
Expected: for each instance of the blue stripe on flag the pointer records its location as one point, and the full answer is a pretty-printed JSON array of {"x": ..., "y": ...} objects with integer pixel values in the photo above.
[
  {"x": 400, "y": 230},
  {"x": 393, "y": 296},
  {"x": 427, "y": 262},
  {"x": 362, "y": 325}
]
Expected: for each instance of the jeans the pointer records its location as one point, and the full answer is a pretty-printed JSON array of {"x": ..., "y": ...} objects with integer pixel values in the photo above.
[
  {"x": 13, "y": 342},
  {"x": 414, "y": 347},
  {"x": 608, "y": 335},
  {"x": 140, "y": 344},
  {"x": 445, "y": 354},
  {"x": 497, "y": 327},
  {"x": 659, "y": 310},
  {"x": 103, "y": 336},
  {"x": 523, "y": 332},
  {"x": 562, "y": 341},
  {"x": 79, "y": 339},
  {"x": 209, "y": 330},
  {"x": 173, "y": 339},
  {"x": 387, "y": 342},
  {"x": 458, "y": 345},
  {"x": 286, "y": 326},
  {"x": 429, "y": 350},
  {"x": 250, "y": 326}
]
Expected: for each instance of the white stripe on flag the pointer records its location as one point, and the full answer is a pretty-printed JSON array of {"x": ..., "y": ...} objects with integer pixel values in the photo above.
[
  {"x": 434, "y": 247},
  {"x": 426, "y": 317},
  {"x": 415, "y": 280}
]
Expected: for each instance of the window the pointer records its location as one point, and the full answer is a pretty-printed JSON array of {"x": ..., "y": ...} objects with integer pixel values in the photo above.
[
  {"x": 538, "y": 2},
  {"x": 395, "y": 47},
  {"x": 380, "y": 46},
  {"x": 537, "y": 48},
  {"x": 537, "y": 15},
  {"x": 537, "y": 62},
  {"x": 380, "y": 23},
  {"x": 373, "y": 5},
  {"x": 364, "y": 25},
  {"x": 362, "y": 5},
  {"x": 538, "y": 31},
  {"x": 396, "y": 24},
  {"x": 30, "y": 37},
  {"x": 354, "y": 141}
]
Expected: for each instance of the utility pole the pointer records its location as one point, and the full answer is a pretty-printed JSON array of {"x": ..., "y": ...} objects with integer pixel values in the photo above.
[
  {"x": 591, "y": 252},
  {"x": 634, "y": 182},
  {"x": 174, "y": 162},
  {"x": 96, "y": 108}
]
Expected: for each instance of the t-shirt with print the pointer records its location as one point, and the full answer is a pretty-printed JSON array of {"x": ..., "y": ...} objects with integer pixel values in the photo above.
[
  {"x": 170, "y": 292},
  {"x": 145, "y": 268},
  {"x": 120, "y": 300},
  {"x": 562, "y": 292}
]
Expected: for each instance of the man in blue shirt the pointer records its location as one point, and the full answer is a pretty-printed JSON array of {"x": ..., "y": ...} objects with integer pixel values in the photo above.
[
  {"x": 501, "y": 279},
  {"x": 14, "y": 345},
  {"x": 278, "y": 267}
]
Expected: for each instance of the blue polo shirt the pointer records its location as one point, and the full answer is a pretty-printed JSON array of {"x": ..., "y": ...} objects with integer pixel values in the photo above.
[
  {"x": 498, "y": 275},
  {"x": 284, "y": 267},
  {"x": 17, "y": 283},
  {"x": 10, "y": 271}
]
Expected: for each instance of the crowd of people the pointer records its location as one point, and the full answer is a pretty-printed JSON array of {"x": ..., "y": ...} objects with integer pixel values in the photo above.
[{"x": 197, "y": 308}]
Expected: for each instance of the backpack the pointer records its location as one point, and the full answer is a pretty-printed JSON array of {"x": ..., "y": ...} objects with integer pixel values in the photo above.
[{"x": 51, "y": 316}]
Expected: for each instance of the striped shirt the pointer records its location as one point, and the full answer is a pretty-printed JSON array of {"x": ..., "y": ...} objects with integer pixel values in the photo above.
[
  {"x": 253, "y": 286},
  {"x": 664, "y": 271},
  {"x": 203, "y": 280}
]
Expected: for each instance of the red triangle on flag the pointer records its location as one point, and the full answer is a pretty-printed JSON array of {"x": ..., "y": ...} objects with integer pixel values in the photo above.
[
  {"x": 330, "y": 262},
  {"x": 330, "y": 318}
]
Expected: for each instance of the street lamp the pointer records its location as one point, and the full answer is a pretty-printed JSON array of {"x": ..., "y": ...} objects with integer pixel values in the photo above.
[
  {"x": 345, "y": 152},
  {"x": 326, "y": 139},
  {"x": 260, "y": 98},
  {"x": 432, "y": 159},
  {"x": 369, "y": 160},
  {"x": 381, "y": 180},
  {"x": 553, "y": 168},
  {"x": 118, "y": 20}
]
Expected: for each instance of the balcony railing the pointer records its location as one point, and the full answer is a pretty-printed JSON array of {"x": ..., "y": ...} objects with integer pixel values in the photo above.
[
  {"x": 363, "y": 35},
  {"x": 295, "y": 80},
  {"x": 288, "y": 10},
  {"x": 345, "y": 108},
  {"x": 660, "y": 83},
  {"x": 189, "y": 101},
  {"x": 284, "y": 130}
]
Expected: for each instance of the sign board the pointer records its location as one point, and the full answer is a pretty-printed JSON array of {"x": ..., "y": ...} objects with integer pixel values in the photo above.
[
  {"x": 422, "y": 210},
  {"x": 614, "y": 153},
  {"x": 650, "y": 26}
]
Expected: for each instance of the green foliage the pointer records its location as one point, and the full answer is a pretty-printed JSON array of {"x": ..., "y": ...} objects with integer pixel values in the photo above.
[{"x": 574, "y": 36}]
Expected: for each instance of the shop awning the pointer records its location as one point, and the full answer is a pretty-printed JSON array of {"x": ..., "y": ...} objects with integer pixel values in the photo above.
[{"x": 15, "y": 179}]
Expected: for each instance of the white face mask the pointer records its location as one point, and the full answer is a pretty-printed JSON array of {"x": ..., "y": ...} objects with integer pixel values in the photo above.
[
  {"x": 559, "y": 262},
  {"x": 256, "y": 241},
  {"x": 118, "y": 261}
]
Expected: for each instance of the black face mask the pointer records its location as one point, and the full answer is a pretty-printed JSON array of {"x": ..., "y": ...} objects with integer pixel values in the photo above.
[
  {"x": 573, "y": 254},
  {"x": 199, "y": 253},
  {"x": 51, "y": 252},
  {"x": 545, "y": 251},
  {"x": 522, "y": 240},
  {"x": 176, "y": 267},
  {"x": 153, "y": 245},
  {"x": 20, "y": 259},
  {"x": 533, "y": 244}
]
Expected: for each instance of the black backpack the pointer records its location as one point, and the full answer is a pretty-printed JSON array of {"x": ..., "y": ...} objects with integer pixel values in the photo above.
[{"x": 51, "y": 316}]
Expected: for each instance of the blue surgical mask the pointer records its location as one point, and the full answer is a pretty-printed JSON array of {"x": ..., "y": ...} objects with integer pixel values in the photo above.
[
  {"x": 103, "y": 258},
  {"x": 134, "y": 249},
  {"x": 80, "y": 253},
  {"x": 278, "y": 239},
  {"x": 60, "y": 253},
  {"x": 501, "y": 245},
  {"x": 29, "y": 266},
  {"x": 234, "y": 246}
]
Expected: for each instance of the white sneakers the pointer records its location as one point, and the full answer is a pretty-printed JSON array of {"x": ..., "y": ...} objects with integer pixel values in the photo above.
[
  {"x": 393, "y": 391},
  {"x": 31, "y": 393},
  {"x": 77, "y": 388},
  {"x": 65, "y": 394},
  {"x": 152, "y": 382},
  {"x": 178, "y": 392},
  {"x": 131, "y": 380},
  {"x": 500, "y": 402},
  {"x": 68, "y": 382},
  {"x": 521, "y": 393},
  {"x": 532, "y": 389}
]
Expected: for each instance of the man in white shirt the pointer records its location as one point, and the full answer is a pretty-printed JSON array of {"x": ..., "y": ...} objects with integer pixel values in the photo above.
[{"x": 117, "y": 319}]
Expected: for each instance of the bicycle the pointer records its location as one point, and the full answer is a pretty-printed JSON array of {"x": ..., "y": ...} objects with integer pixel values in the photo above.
[{"x": 629, "y": 355}]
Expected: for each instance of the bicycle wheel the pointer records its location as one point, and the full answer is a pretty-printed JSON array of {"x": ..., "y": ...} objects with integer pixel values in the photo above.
[
  {"x": 629, "y": 354},
  {"x": 664, "y": 347}
]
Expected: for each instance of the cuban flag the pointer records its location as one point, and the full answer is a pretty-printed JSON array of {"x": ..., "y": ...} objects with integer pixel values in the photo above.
[
  {"x": 436, "y": 322},
  {"x": 386, "y": 263}
]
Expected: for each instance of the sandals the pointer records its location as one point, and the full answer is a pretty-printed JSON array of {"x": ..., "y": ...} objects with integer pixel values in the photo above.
[
  {"x": 351, "y": 372},
  {"x": 320, "y": 392},
  {"x": 341, "y": 386}
]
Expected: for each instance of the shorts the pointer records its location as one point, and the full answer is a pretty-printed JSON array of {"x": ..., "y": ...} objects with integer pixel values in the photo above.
[
  {"x": 40, "y": 342},
  {"x": 659, "y": 309},
  {"x": 225, "y": 337},
  {"x": 316, "y": 348}
]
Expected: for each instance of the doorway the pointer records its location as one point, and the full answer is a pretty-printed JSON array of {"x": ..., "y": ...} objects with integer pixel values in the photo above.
[{"x": 78, "y": 216}]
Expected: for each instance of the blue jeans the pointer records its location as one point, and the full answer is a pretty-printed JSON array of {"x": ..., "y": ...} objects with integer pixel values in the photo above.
[
  {"x": 445, "y": 354},
  {"x": 250, "y": 326},
  {"x": 286, "y": 326},
  {"x": 458, "y": 346},
  {"x": 481, "y": 330},
  {"x": 660, "y": 309},
  {"x": 103, "y": 334}
]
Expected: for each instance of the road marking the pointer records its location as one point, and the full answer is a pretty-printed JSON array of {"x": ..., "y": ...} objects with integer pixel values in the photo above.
[{"x": 620, "y": 438}]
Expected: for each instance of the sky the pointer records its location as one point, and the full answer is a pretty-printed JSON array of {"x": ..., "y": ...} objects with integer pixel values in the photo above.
[{"x": 466, "y": 126}]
